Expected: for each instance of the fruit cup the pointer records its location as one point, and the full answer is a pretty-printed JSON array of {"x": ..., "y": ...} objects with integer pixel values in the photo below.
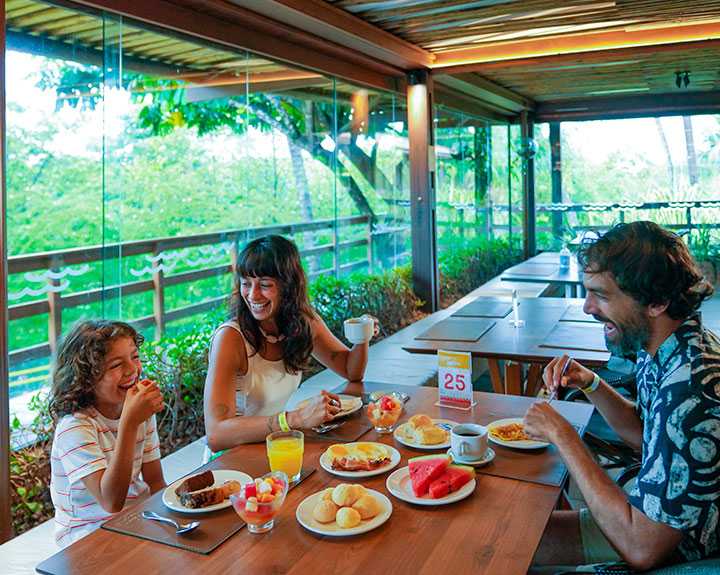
[
  {"x": 259, "y": 501},
  {"x": 384, "y": 413}
]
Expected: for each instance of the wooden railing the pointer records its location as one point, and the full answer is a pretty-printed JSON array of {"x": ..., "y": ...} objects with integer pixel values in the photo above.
[{"x": 156, "y": 249}]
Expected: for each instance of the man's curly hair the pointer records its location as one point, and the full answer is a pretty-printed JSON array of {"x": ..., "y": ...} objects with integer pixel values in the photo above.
[
  {"x": 650, "y": 264},
  {"x": 80, "y": 362}
]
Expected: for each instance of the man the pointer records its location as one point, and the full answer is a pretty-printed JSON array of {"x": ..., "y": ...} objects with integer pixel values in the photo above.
[{"x": 644, "y": 286}]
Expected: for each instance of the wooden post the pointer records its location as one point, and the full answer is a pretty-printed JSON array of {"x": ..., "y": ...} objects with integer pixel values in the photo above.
[
  {"x": 556, "y": 176},
  {"x": 422, "y": 189},
  {"x": 513, "y": 378},
  {"x": 158, "y": 293},
  {"x": 5, "y": 516},
  {"x": 54, "y": 313},
  {"x": 528, "y": 174}
]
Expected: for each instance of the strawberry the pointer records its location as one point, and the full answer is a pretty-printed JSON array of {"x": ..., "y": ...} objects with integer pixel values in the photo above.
[
  {"x": 250, "y": 490},
  {"x": 387, "y": 403}
]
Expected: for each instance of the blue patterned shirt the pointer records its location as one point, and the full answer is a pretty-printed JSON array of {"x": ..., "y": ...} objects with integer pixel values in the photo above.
[{"x": 679, "y": 404}]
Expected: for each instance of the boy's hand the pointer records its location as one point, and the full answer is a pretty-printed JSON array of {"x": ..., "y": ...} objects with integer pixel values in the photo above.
[{"x": 141, "y": 402}]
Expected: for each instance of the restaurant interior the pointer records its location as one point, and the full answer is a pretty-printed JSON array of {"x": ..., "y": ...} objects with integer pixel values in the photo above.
[{"x": 438, "y": 165}]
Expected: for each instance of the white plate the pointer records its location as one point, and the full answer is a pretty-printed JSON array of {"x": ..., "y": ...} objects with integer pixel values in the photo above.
[
  {"x": 172, "y": 501},
  {"x": 399, "y": 484},
  {"x": 326, "y": 464},
  {"x": 487, "y": 458},
  {"x": 523, "y": 444},
  {"x": 348, "y": 404},
  {"x": 446, "y": 423},
  {"x": 305, "y": 517}
]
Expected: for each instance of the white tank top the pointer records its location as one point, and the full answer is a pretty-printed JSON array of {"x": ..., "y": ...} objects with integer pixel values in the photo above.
[{"x": 266, "y": 387}]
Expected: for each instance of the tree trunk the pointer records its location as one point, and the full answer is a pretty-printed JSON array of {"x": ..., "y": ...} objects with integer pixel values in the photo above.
[
  {"x": 304, "y": 199},
  {"x": 671, "y": 167},
  {"x": 691, "y": 156}
]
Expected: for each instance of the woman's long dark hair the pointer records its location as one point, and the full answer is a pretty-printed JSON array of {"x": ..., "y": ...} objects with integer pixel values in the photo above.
[
  {"x": 277, "y": 258},
  {"x": 80, "y": 363}
]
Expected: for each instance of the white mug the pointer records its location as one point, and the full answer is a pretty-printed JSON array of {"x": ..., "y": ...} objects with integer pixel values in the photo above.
[
  {"x": 359, "y": 329},
  {"x": 469, "y": 442}
]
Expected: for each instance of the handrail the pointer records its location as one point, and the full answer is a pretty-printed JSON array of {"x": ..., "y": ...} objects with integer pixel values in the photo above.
[{"x": 53, "y": 263}]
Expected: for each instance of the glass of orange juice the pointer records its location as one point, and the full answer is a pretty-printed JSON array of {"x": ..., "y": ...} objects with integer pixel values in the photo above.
[{"x": 285, "y": 452}]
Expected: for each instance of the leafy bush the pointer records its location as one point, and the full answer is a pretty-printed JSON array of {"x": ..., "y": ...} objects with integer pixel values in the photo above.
[{"x": 467, "y": 268}]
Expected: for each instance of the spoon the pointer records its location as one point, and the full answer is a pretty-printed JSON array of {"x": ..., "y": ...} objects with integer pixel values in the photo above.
[{"x": 180, "y": 528}]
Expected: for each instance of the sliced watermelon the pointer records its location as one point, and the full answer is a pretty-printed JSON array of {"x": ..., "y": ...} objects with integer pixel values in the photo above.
[
  {"x": 424, "y": 470},
  {"x": 440, "y": 487},
  {"x": 459, "y": 475},
  {"x": 452, "y": 479}
]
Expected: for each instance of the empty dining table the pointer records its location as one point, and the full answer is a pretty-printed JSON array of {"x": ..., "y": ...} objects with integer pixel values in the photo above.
[
  {"x": 552, "y": 327},
  {"x": 545, "y": 268}
]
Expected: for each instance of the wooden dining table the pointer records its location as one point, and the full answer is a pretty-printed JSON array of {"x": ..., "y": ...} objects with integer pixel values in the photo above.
[
  {"x": 496, "y": 529},
  {"x": 545, "y": 268},
  {"x": 553, "y": 326}
]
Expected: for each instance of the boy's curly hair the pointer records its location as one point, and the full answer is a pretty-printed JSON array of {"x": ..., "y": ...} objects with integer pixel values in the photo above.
[{"x": 80, "y": 361}]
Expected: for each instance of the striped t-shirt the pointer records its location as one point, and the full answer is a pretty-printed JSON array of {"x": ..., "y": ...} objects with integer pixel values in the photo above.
[{"x": 84, "y": 444}]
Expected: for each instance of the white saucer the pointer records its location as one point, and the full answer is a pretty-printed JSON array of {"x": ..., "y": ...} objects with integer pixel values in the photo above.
[{"x": 489, "y": 456}]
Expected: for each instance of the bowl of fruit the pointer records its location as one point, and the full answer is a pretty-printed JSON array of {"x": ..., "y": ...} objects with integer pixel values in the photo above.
[
  {"x": 259, "y": 501},
  {"x": 384, "y": 413}
]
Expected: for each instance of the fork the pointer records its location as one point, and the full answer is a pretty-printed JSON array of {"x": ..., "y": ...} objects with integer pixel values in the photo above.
[
  {"x": 553, "y": 395},
  {"x": 325, "y": 427}
]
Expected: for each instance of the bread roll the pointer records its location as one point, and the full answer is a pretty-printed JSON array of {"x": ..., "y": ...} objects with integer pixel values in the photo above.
[
  {"x": 431, "y": 435},
  {"x": 327, "y": 494},
  {"x": 344, "y": 495},
  {"x": 367, "y": 506},
  {"x": 347, "y": 517},
  {"x": 419, "y": 420},
  {"x": 325, "y": 511}
]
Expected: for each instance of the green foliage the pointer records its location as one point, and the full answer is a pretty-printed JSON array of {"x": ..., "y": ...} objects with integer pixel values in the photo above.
[
  {"x": 465, "y": 268},
  {"x": 389, "y": 297}
]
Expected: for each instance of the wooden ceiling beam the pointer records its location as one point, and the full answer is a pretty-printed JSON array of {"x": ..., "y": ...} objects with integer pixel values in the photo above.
[
  {"x": 650, "y": 105},
  {"x": 485, "y": 92},
  {"x": 525, "y": 65},
  {"x": 234, "y": 27},
  {"x": 326, "y": 21},
  {"x": 577, "y": 43},
  {"x": 460, "y": 102}
]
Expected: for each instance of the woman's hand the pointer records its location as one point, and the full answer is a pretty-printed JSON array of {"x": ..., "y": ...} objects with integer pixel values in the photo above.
[
  {"x": 544, "y": 423},
  {"x": 376, "y": 324},
  {"x": 316, "y": 411},
  {"x": 565, "y": 372}
]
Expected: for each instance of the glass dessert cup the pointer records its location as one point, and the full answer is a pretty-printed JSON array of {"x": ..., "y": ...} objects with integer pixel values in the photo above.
[
  {"x": 384, "y": 414},
  {"x": 259, "y": 501}
]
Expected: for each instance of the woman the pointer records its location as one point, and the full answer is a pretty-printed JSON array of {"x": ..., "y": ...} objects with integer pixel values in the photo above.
[{"x": 256, "y": 359}]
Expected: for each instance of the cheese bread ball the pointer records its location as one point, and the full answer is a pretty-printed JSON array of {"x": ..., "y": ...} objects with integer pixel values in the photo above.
[
  {"x": 347, "y": 517},
  {"x": 367, "y": 506},
  {"x": 325, "y": 511}
]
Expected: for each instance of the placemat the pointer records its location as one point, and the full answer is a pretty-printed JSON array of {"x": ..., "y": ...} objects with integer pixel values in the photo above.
[
  {"x": 457, "y": 330},
  {"x": 531, "y": 270},
  {"x": 354, "y": 427},
  {"x": 576, "y": 335},
  {"x": 215, "y": 527},
  {"x": 484, "y": 308},
  {"x": 544, "y": 466},
  {"x": 576, "y": 313}
]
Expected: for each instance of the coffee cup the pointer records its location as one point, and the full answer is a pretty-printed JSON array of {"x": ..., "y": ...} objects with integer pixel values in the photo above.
[
  {"x": 468, "y": 442},
  {"x": 359, "y": 329}
]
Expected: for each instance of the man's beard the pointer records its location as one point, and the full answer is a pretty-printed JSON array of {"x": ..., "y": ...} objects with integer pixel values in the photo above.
[{"x": 633, "y": 334}]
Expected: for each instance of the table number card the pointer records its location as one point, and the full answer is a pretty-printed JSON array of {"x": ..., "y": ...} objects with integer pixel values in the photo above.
[{"x": 455, "y": 379}]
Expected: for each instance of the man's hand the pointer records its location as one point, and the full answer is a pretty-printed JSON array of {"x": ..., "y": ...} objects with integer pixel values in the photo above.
[
  {"x": 565, "y": 372},
  {"x": 544, "y": 423}
]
